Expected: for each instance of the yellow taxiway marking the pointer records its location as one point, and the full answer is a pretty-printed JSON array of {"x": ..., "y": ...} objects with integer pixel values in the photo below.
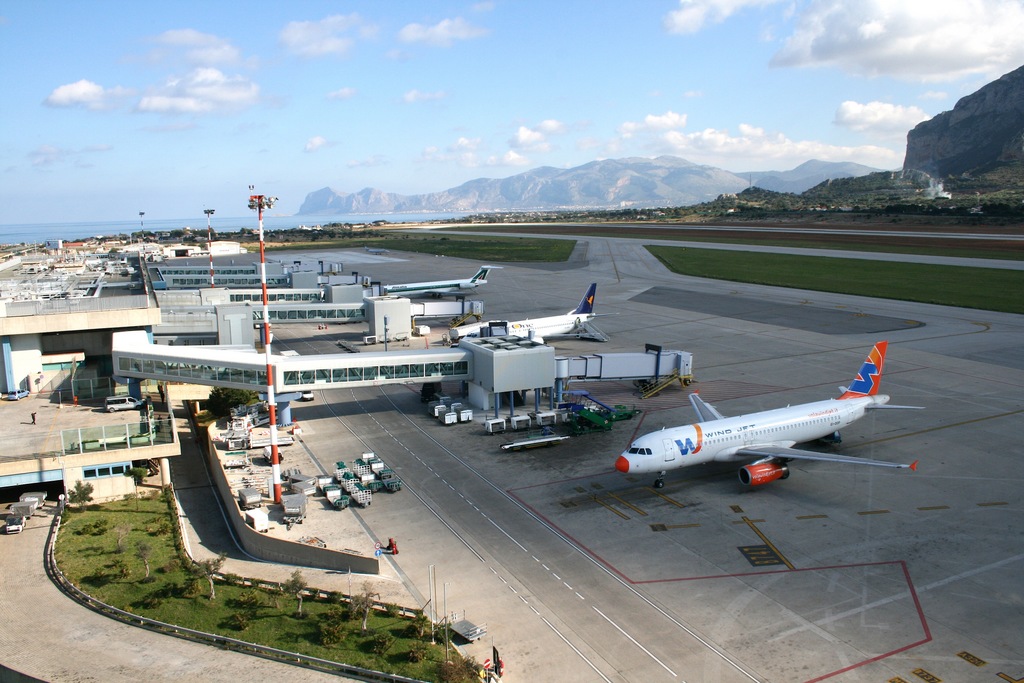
[
  {"x": 992, "y": 504},
  {"x": 666, "y": 498},
  {"x": 609, "y": 507},
  {"x": 812, "y": 517},
  {"x": 629, "y": 505},
  {"x": 873, "y": 512},
  {"x": 935, "y": 507},
  {"x": 750, "y": 523}
]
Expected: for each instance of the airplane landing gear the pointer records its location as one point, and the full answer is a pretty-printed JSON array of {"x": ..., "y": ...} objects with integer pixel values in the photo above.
[{"x": 660, "y": 481}]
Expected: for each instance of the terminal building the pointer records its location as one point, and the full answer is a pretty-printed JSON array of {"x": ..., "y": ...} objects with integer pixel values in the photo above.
[{"x": 160, "y": 330}]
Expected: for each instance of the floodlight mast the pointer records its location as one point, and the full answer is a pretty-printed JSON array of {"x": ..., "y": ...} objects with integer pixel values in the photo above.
[
  {"x": 259, "y": 202},
  {"x": 209, "y": 241}
]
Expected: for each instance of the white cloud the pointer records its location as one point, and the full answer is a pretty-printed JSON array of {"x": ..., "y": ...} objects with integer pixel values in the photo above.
[
  {"x": 755, "y": 149},
  {"x": 316, "y": 142},
  {"x": 202, "y": 91},
  {"x": 49, "y": 155},
  {"x": 692, "y": 15},
  {"x": 413, "y": 96},
  {"x": 509, "y": 158},
  {"x": 86, "y": 94},
  {"x": 879, "y": 119},
  {"x": 551, "y": 127},
  {"x": 653, "y": 122},
  {"x": 201, "y": 48},
  {"x": 916, "y": 40},
  {"x": 329, "y": 36},
  {"x": 342, "y": 94},
  {"x": 529, "y": 139},
  {"x": 441, "y": 34},
  {"x": 369, "y": 162},
  {"x": 462, "y": 152}
]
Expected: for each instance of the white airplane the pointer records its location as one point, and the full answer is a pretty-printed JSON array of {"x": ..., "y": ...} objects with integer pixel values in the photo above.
[
  {"x": 767, "y": 437},
  {"x": 376, "y": 250},
  {"x": 440, "y": 287},
  {"x": 571, "y": 323}
]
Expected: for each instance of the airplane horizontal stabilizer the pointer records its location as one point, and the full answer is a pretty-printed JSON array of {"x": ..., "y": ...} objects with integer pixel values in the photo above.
[
  {"x": 886, "y": 406},
  {"x": 784, "y": 453}
]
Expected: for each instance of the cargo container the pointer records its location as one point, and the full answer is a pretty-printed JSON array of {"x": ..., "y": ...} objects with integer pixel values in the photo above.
[
  {"x": 258, "y": 519},
  {"x": 249, "y": 498}
]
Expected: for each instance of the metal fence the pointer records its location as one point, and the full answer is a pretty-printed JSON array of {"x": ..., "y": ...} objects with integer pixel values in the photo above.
[{"x": 225, "y": 642}]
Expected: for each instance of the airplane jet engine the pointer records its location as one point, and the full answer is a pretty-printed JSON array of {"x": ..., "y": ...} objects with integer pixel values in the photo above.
[{"x": 758, "y": 473}]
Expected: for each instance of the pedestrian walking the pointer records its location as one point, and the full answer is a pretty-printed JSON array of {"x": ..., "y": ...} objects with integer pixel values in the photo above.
[{"x": 33, "y": 418}]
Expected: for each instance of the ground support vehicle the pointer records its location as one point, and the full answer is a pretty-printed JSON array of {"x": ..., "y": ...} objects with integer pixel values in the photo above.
[{"x": 294, "y": 509}]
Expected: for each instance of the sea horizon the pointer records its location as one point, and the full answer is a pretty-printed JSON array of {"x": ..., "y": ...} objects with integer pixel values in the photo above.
[{"x": 37, "y": 233}]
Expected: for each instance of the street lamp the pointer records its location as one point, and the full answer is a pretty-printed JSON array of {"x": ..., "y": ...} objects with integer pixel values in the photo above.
[
  {"x": 259, "y": 202},
  {"x": 209, "y": 242}
]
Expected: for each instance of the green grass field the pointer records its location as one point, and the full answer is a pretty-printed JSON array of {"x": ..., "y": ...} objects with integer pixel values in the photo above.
[
  {"x": 87, "y": 552},
  {"x": 483, "y": 249},
  {"x": 984, "y": 288}
]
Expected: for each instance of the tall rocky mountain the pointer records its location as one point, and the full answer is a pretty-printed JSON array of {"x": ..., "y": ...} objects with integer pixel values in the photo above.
[
  {"x": 612, "y": 183},
  {"x": 982, "y": 128}
]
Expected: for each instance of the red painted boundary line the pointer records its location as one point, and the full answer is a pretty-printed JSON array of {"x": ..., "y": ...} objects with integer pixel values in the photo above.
[{"x": 610, "y": 567}]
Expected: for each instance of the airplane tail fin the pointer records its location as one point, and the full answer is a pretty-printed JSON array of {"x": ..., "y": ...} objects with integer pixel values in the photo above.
[
  {"x": 481, "y": 275},
  {"x": 586, "y": 304},
  {"x": 869, "y": 378}
]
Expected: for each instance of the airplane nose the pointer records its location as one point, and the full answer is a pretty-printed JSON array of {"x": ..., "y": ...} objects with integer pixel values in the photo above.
[{"x": 622, "y": 464}]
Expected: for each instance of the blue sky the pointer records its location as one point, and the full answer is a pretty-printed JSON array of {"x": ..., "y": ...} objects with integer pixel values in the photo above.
[{"x": 111, "y": 108}]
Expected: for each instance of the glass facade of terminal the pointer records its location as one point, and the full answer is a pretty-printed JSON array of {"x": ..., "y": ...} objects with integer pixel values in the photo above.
[
  {"x": 196, "y": 371},
  {"x": 236, "y": 297},
  {"x": 370, "y": 371},
  {"x": 378, "y": 373},
  {"x": 350, "y": 314}
]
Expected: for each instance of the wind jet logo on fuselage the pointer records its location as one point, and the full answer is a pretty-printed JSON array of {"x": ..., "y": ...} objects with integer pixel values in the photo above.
[{"x": 686, "y": 446}]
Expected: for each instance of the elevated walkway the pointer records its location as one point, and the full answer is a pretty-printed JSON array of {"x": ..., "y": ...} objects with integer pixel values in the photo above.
[{"x": 490, "y": 366}]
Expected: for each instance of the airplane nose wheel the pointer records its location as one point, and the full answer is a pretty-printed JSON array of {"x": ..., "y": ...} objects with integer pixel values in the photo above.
[{"x": 659, "y": 483}]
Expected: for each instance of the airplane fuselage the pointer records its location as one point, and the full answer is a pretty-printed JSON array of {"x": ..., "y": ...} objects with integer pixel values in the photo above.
[
  {"x": 538, "y": 328},
  {"x": 414, "y": 289},
  {"x": 720, "y": 440}
]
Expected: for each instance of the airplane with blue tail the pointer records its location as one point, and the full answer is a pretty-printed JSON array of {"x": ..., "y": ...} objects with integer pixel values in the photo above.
[
  {"x": 571, "y": 323},
  {"x": 766, "y": 437}
]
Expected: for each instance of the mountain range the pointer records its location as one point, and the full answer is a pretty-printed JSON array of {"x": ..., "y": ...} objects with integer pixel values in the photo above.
[
  {"x": 984, "y": 131},
  {"x": 610, "y": 183}
]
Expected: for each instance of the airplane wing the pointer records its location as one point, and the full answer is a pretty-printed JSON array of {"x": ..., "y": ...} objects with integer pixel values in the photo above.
[
  {"x": 705, "y": 411},
  {"x": 797, "y": 454}
]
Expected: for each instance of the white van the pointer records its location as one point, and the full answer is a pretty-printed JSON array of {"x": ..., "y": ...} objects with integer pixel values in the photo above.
[
  {"x": 115, "y": 403},
  {"x": 15, "y": 524}
]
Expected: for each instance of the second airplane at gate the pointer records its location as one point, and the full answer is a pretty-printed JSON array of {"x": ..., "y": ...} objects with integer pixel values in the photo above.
[{"x": 767, "y": 438}]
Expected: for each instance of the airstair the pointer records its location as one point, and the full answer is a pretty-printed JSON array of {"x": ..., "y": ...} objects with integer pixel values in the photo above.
[
  {"x": 656, "y": 385},
  {"x": 464, "y": 318}
]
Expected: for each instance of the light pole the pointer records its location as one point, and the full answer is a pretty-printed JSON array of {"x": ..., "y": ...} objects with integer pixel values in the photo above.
[
  {"x": 209, "y": 242},
  {"x": 258, "y": 202}
]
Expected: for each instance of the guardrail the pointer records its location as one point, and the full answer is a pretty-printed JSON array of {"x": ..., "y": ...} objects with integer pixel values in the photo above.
[{"x": 224, "y": 642}]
